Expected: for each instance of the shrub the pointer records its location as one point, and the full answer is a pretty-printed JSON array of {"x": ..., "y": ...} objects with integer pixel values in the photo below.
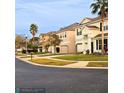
[
  {"x": 23, "y": 51},
  {"x": 97, "y": 53},
  {"x": 87, "y": 51}
]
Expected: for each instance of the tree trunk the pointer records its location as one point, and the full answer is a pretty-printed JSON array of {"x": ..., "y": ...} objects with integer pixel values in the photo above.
[
  {"x": 33, "y": 40},
  {"x": 102, "y": 35}
]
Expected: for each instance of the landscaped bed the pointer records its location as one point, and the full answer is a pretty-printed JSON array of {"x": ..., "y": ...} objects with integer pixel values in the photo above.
[
  {"x": 84, "y": 57},
  {"x": 50, "y": 62},
  {"x": 97, "y": 64}
]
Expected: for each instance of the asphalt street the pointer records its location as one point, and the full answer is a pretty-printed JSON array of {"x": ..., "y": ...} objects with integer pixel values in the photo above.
[{"x": 60, "y": 80}]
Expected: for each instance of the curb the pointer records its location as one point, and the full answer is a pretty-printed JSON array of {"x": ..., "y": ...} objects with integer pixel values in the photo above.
[{"x": 36, "y": 64}]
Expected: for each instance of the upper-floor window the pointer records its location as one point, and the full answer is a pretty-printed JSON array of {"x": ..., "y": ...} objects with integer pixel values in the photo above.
[
  {"x": 63, "y": 35},
  {"x": 60, "y": 36},
  {"x": 100, "y": 26},
  {"x": 79, "y": 32},
  {"x": 85, "y": 36},
  {"x": 105, "y": 27}
]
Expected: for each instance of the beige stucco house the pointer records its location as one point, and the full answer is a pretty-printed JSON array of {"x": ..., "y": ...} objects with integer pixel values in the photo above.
[{"x": 67, "y": 35}]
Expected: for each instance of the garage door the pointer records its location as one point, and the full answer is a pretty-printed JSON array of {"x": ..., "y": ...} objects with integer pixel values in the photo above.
[
  {"x": 79, "y": 48},
  {"x": 64, "y": 49}
]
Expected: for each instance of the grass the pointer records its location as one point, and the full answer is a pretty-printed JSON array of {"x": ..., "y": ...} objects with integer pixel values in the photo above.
[
  {"x": 20, "y": 54},
  {"x": 48, "y": 55},
  {"x": 50, "y": 62},
  {"x": 82, "y": 57},
  {"x": 97, "y": 64},
  {"x": 26, "y": 57}
]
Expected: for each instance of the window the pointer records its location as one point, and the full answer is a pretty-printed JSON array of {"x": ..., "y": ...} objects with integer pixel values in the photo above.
[
  {"x": 100, "y": 26},
  {"x": 65, "y": 35},
  {"x": 105, "y": 27},
  {"x": 100, "y": 44},
  {"x": 79, "y": 32},
  {"x": 85, "y": 37},
  {"x": 60, "y": 36},
  {"x": 105, "y": 43}
]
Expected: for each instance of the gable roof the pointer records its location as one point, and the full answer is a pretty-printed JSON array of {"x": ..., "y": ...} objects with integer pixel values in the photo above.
[
  {"x": 69, "y": 28},
  {"x": 86, "y": 19},
  {"x": 91, "y": 19}
]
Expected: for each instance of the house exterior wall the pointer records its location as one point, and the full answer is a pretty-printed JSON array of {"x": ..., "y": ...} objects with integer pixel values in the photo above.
[
  {"x": 87, "y": 35},
  {"x": 67, "y": 44}
]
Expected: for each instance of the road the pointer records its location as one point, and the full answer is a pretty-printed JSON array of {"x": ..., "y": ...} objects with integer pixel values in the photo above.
[{"x": 60, "y": 80}]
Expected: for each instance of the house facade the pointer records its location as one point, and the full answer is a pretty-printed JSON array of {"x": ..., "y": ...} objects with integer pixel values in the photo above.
[
  {"x": 80, "y": 37},
  {"x": 67, "y": 35},
  {"x": 43, "y": 38},
  {"x": 88, "y": 35}
]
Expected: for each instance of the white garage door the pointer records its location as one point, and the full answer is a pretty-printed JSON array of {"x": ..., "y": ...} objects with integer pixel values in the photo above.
[
  {"x": 79, "y": 48},
  {"x": 64, "y": 49}
]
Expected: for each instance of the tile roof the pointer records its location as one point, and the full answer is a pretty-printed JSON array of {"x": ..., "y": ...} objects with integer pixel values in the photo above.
[{"x": 69, "y": 28}]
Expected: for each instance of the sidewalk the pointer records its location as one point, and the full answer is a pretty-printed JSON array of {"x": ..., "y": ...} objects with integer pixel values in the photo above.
[{"x": 78, "y": 64}]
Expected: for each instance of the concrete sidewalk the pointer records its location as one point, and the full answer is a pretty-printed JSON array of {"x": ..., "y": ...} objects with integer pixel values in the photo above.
[{"x": 78, "y": 64}]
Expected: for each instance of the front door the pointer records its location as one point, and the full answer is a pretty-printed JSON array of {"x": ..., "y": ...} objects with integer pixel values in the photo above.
[{"x": 91, "y": 47}]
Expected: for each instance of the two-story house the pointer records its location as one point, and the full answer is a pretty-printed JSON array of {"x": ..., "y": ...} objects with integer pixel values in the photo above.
[
  {"x": 67, "y": 35},
  {"x": 88, "y": 35}
]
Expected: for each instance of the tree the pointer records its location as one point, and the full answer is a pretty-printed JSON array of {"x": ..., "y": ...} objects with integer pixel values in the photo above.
[
  {"x": 36, "y": 40},
  {"x": 54, "y": 41},
  {"x": 100, "y": 7},
  {"x": 33, "y": 30},
  {"x": 46, "y": 45},
  {"x": 20, "y": 41},
  {"x": 50, "y": 40}
]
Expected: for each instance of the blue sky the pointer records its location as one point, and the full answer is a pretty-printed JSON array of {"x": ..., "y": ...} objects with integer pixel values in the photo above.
[{"x": 50, "y": 15}]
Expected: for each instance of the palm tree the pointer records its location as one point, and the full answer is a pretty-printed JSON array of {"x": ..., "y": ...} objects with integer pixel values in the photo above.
[
  {"x": 33, "y": 30},
  {"x": 100, "y": 7}
]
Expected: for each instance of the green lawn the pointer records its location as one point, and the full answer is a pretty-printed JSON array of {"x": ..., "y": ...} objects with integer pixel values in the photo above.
[
  {"x": 41, "y": 55},
  {"x": 84, "y": 57},
  {"x": 97, "y": 64},
  {"x": 50, "y": 62},
  {"x": 26, "y": 57},
  {"x": 20, "y": 54}
]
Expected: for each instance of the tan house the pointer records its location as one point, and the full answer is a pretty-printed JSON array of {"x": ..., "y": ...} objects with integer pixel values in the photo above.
[
  {"x": 67, "y": 35},
  {"x": 88, "y": 35},
  {"x": 44, "y": 38}
]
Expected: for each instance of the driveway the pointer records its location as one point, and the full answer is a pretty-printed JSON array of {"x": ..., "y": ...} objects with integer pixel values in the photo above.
[{"x": 61, "y": 80}]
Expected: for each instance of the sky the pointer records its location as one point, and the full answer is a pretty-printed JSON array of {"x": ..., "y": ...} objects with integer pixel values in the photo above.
[{"x": 50, "y": 15}]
